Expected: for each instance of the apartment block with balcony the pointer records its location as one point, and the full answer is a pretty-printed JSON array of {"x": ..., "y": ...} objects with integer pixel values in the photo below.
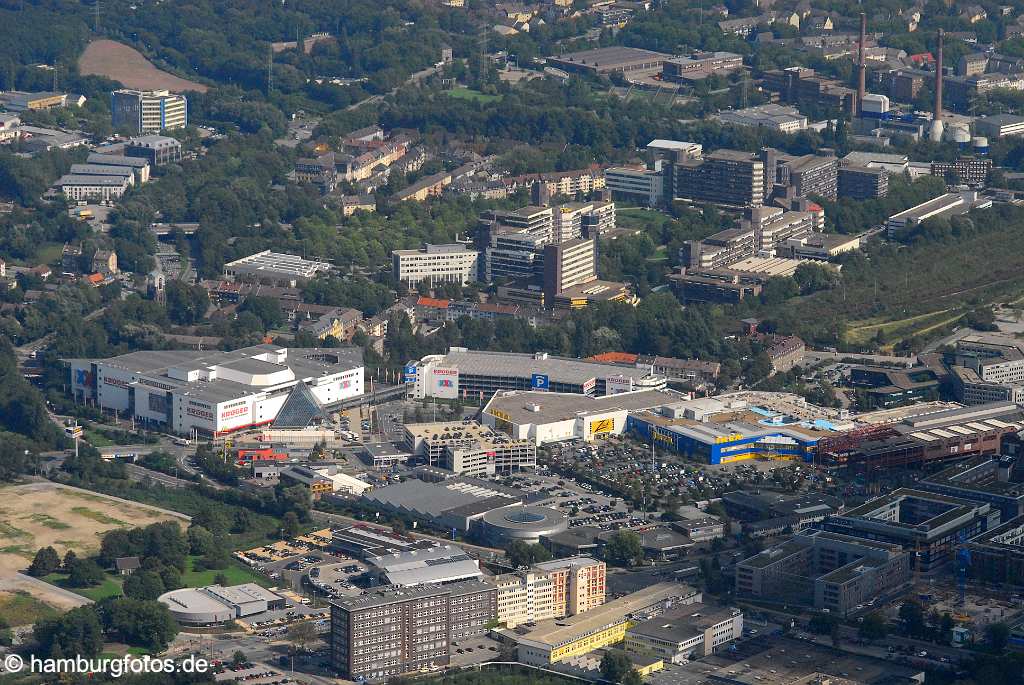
[{"x": 724, "y": 177}]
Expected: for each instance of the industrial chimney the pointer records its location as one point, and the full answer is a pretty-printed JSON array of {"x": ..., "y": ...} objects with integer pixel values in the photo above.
[
  {"x": 860, "y": 64},
  {"x": 936, "y": 129}
]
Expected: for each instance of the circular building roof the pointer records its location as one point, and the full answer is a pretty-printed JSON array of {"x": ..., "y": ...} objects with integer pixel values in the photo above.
[
  {"x": 519, "y": 522},
  {"x": 195, "y": 607}
]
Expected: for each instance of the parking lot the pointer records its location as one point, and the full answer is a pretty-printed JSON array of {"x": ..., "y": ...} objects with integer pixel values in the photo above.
[
  {"x": 474, "y": 651},
  {"x": 621, "y": 460},
  {"x": 338, "y": 579}
]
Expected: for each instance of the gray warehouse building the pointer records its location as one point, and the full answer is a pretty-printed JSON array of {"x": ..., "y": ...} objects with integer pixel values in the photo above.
[{"x": 214, "y": 604}]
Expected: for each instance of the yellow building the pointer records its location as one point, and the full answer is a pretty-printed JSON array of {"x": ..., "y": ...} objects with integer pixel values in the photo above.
[{"x": 551, "y": 641}]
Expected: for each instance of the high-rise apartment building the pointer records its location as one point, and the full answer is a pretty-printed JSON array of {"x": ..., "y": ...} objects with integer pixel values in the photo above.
[
  {"x": 725, "y": 177},
  {"x": 803, "y": 176},
  {"x": 863, "y": 183},
  {"x": 148, "y": 111},
  {"x": 568, "y": 264},
  {"x": 552, "y": 589},
  {"x": 523, "y": 597},
  {"x": 578, "y": 584},
  {"x": 390, "y": 631}
]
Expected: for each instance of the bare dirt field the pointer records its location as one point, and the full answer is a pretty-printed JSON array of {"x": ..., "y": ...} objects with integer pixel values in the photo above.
[
  {"x": 125, "y": 64},
  {"x": 39, "y": 514}
]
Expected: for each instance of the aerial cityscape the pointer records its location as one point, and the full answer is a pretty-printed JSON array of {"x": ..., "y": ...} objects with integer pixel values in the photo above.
[{"x": 483, "y": 343}]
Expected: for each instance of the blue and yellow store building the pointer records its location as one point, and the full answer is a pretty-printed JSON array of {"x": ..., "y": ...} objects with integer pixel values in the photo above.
[{"x": 723, "y": 443}]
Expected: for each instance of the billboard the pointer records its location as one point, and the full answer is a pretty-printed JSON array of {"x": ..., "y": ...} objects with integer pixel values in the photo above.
[
  {"x": 409, "y": 373},
  {"x": 539, "y": 381},
  {"x": 445, "y": 383},
  {"x": 599, "y": 426},
  {"x": 613, "y": 385}
]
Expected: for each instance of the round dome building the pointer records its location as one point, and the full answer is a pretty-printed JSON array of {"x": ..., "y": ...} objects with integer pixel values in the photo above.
[{"x": 521, "y": 522}]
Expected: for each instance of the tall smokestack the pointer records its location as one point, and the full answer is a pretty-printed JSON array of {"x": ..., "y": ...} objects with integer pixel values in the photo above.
[
  {"x": 936, "y": 131},
  {"x": 860, "y": 63}
]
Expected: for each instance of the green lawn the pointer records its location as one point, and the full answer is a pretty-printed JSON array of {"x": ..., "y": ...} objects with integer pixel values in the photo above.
[
  {"x": 21, "y": 609},
  {"x": 97, "y": 439},
  {"x": 110, "y": 587},
  {"x": 470, "y": 94},
  {"x": 236, "y": 574},
  {"x": 46, "y": 253}
]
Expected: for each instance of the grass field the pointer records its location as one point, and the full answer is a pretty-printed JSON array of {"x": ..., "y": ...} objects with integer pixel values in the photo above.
[
  {"x": 110, "y": 587},
  {"x": 470, "y": 94},
  {"x": 40, "y": 514},
  {"x": 235, "y": 573},
  {"x": 21, "y": 609},
  {"x": 97, "y": 439},
  {"x": 46, "y": 253},
  {"x": 122, "y": 63}
]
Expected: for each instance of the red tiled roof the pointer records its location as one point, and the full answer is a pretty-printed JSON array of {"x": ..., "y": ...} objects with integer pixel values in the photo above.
[
  {"x": 432, "y": 302},
  {"x": 615, "y": 358}
]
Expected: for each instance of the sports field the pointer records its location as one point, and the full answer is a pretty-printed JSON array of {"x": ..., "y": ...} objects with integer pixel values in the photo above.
[{"x": 122, "y": 63}]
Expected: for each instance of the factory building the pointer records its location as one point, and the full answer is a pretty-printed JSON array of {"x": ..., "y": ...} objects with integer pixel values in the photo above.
[
  {"x": 935, "y": 437},
  {"x": 279, "y": 268},
  {"x": 438, "y": 564},
  {"x": 214, "y": 604}
]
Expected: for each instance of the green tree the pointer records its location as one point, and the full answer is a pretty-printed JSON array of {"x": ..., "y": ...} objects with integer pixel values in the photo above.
[
  {"x": 69, "y": 560},
  {"x": 200, "y": 540},
  {"x": 143, "y": 585},
  {"x": 998, "y": 636},
  {"x": 524, "y": 554},
  {"x": 78, "y": 632},
  {"x": 186, "y": 304},
  {"x": 266, "y": 309},
  {"x": 85, "y": 573},
  {"x": 138, "y": 622},
  {"x": 623, "y": 548},
  {"x": 614, "y": 666},
  {"x": 290, "y": 526},
  {"x": 912, "y": 616},
  {"x": 873, "y": 627},
  {"x": 45, "y": 562}
]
